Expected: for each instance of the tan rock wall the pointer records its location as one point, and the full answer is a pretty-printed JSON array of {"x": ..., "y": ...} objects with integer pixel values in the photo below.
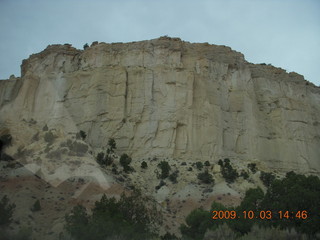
[{"x": 170, "y": 98}]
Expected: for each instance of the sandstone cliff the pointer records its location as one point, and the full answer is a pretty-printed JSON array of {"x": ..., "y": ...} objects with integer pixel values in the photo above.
[{"x": 167, "y": 98}]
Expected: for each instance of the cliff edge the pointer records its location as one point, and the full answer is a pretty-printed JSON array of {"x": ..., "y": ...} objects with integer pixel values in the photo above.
[{"x": 166, "y": 98}]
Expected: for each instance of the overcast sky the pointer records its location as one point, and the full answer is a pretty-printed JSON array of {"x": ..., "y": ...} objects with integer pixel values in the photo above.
[{"x": 284, "y": 33}]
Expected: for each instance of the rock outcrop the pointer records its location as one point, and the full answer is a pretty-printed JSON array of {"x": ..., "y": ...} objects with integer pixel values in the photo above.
[{"x": 168, "y": 98}]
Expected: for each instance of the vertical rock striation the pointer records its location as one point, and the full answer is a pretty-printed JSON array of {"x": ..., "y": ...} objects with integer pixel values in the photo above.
[{"x": 169, "y": 98}]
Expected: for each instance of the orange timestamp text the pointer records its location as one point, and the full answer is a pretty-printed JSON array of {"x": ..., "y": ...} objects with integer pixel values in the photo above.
[{"x": 263, "y": 214}]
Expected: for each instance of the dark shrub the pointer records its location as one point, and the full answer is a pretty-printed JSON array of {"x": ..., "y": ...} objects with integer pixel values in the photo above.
[
  {"x": 223, "y": 231},
  {"x": 125, "y": 160},
  {"x": 199, "y": 165},
  {"x": 205, "y": 177},
  {"x": 85, "y": 46},
  {"x": 197, "y": 223},
  {"x": 36, "y": 206},
  {"x": 81, "y": 135},
  {"x": 111, "y": 146},
  {"x": 292, "y": 193},
  {"x": 165, "y": 169},
  {"x": 169, "y": 236},
  {"x": 244, "y": 174},
  {"x": 103, "y": 159},
  {"x": 77, "y": 223},
  {"x": 6, "y": 211},
  {"x": 5, "y": 140},
  {"x": 5, "y": 157},
  {"x": 267, "y": 178},
  {"x": 295, "y": 193},
  {"x": 144, "y": 165},
  {"x": 227, "y": 171},
  {"x": 24, "y": 233},
  {"x": 252, "y": 167},
  {"x": 35, "y": 137},
  {"x": 108, "y": 160},
  {"x": 100, "y": 158},
  {"x": 173, "y": 177},
  {"x": 115, "y": 170},
  {"x": 162, "y": 183},
  {"x": 45, "y": 128},
  {"x": 49, "y": 137},
  {"x": 131, "y": 217}
]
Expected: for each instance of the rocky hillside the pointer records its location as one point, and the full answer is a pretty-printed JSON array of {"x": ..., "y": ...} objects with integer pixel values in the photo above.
[
  {"x": 168, "y": 98},
  {"x": 162, "y": 99}
]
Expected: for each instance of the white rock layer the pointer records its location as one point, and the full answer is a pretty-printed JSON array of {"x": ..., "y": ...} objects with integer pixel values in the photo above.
[{"x": 168, "y": 98}]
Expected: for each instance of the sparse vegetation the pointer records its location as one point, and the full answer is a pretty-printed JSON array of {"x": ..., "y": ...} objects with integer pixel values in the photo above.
[
  {"x": 125, "y": 161},
  {"x": 36, "y": 206},
  {"x": 115, "y": 170},
  {"x": 267, "y": 178},
  {"x": 81, "y": 135},
  {"x": 165, "y": 169},
  {"x": 199, "y": 165},
  {"x": 173, "y": 176},
  {"x": 5, "y": 157},
  {"x": 197, "y": 222},
  {"x": 244, "y": 174},
  {"x": 281, "y": 194},
  {"x": 35, "y": 137},
  {"x": 295, "y": 193},
  {"x": 144, "y": 165},
  {"x": 6, "y": 211},
  {"x": 252, "y": 167},
  {"x": 205, "y": 177},
  {"x": 5, "y": 140},
  {"x": 100, "y": 158},
  {"x": 85, "y": 46},
  {"x": 77, "y": 222},
  {"x": 45, "y": 128},
  {"x": 107, "y": 159},
  {"x": 49, "y": 137},
  {"x": 263, "y": 233},
  {"x": 25, "y": 233},
  {"x": 111, "y": 146},
  {"x": 131, "y": 217},
  {"x": 228, "y": 172},
  {"x": 207, "y": 163},
  {"x": 169, "y": 236},
  {"x": 161, "y": 184},
  {"x": 222, "y": 232}
]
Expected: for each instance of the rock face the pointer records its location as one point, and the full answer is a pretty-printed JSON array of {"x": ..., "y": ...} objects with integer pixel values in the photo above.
[{"x": 168, "y": 98}]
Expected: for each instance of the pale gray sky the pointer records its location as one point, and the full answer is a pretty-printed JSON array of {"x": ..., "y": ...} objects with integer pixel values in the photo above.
[{"x": 284, "y": 33}]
